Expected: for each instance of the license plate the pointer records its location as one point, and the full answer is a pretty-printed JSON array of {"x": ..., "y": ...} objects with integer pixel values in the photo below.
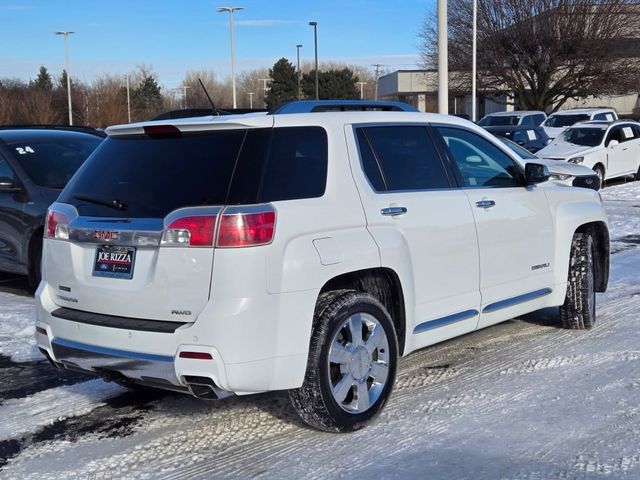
[{"x": 114, "y": 262}]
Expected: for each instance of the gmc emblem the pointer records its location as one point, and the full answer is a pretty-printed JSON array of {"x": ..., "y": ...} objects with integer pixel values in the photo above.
[{"x": 105, "y": 235}]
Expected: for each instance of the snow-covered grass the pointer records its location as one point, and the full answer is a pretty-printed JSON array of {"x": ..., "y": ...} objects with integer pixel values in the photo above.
[{"x": 521, "y": 400}]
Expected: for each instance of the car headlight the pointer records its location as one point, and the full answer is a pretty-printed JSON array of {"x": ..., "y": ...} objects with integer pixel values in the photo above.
[
  {"x": 576, "y": 160},
  {"x": 559, "y": 176}
]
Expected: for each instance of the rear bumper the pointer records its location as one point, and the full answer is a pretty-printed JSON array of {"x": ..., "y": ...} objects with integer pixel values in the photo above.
[{"x": 250, "y": 347}]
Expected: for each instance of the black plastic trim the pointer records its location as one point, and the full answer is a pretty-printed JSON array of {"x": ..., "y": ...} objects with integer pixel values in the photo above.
[{"x": 111, "y": 321}]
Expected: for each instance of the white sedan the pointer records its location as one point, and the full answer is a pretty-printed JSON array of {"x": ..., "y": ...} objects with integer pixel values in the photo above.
[
  {"x": 611, "y": 149},
  {"x": 560, "y": 172}
]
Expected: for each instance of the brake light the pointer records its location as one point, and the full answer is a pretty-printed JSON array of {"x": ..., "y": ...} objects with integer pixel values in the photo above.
[
  {"x": 196, "y": 355},
  {"x": 191, "y": 231},
  {"x": 162, "y": 131},
  {"x": 57, "y": 225},
  {"x": 246, "y": 229}
]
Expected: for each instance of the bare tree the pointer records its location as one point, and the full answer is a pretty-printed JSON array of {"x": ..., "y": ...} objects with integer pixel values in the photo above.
[{"x": 543, "y": 51}]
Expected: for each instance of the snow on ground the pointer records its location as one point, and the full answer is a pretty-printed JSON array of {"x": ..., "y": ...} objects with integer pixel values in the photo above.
[
  {"x": 521, "y": 400},
  {"x": 17, "y": 327}
]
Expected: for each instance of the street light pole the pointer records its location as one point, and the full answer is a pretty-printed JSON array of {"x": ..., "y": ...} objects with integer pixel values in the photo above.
[
  {"x": 298, "y": 47},
  {"x": 474, "y": 60},
  {"x": 230, "y": 10},
  {"x": 362, "y": 84},
  {"x": 251, "y": 100},
  {"x": 128, "y": 100},
  {"x": 264, "y": 89},
  {"x": 184, "y": 96},
  {"x": 443, "y": 64},
  {"x": 315, "y": 43},
  {"x": 66, "y": 34}
]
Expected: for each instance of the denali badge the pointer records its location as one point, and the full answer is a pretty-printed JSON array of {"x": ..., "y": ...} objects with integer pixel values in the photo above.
[
  {"x": 542, "y": 265},
  {"x": 180, "y": 312},
  {"x": 106, "y": 235}
]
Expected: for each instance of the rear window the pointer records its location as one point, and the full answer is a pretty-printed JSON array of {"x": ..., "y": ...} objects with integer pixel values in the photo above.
[
  {"x": 499, "y": 120},
  {"x": 153, "y": 177},
  {"x": 51, "y": 162}
]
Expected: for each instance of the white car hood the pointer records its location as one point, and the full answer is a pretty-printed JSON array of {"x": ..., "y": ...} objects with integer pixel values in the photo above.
[
  {"x": 564, "y": 150},
  {"x": 565, "y": 168}
]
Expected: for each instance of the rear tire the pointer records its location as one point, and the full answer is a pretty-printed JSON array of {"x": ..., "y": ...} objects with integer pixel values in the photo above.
[
  {"x": 579, "y": 309},
  {"x": 352, "y": 363}
]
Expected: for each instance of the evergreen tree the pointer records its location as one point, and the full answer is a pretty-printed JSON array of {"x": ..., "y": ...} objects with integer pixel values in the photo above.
[
  {"x": 146, "y": 96},
  {"x": 62, "y": 81},
  {"x": 332, "y": 84},
  {"x": 43, "y": 80},
  {"x": 284, "y": 84}
]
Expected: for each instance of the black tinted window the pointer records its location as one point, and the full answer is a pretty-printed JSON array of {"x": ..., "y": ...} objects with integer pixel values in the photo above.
[
  {"x": 5, "y": 170},
  {"x": 281, "y": 164},
  {"x": 155, "y": 176},
  {"x": 481, "y": 163},
  {"x": 51, "y": 162},
  {"x": 369, "y": 163},
  {"x": 407, "y": 158},
  {"x": 296, "y": 166}
]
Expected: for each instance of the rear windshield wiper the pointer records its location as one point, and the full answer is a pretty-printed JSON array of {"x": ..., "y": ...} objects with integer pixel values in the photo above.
[{"x": 115, "y": 204}]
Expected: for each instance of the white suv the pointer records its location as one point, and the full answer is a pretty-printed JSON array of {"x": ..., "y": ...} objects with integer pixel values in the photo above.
[
  {"x": 558, "y": 122},
  {"x": 308, "y": 252}
]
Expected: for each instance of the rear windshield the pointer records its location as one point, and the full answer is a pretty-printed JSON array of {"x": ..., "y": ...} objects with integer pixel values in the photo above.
[
  {"x": 150, "y": 177},
  {"x": 51, "y": 162},
  {"x": 556, "y": 121},
  {"x": 499, "y": 120}
]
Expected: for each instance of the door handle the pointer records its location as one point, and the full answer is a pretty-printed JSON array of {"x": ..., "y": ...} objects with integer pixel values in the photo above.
[
  {"x": 485, "y": 203},
  {"x": 393, "y": 211}
]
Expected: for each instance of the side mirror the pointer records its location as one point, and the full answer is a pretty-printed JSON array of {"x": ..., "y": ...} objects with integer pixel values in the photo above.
[
  {"x": 535, "y": 173},
  {"x": 613, "y": 143},
  {"x": 8, "y": 185}
]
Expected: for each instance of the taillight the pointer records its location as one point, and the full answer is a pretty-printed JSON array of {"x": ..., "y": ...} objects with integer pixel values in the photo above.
[
  {"x": 57, "y": 225},
  {"x": 238, "y": 226},
  {"x": 246, "y": 228},
  {"x": 191, "y": 231}
]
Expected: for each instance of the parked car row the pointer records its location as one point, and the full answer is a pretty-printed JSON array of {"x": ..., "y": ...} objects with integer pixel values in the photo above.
[
  {"x": 305, "y": 250},
  {"x": 594, "y": 138}
]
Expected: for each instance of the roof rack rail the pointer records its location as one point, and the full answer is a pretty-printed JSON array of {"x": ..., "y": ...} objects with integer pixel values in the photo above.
[
  {"x": 310, "y": 106},
  {"x": 73, "y": 128}
]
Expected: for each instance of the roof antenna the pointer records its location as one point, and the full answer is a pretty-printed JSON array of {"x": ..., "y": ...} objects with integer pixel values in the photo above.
[{"x": 213, "y": 105}]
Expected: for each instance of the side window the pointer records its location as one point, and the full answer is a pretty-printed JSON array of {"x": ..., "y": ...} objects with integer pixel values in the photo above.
[
  {"x": 539, "y": 119},
  {"x": 527, "y": 120},
  {"x": 407, "y": 158},
  {"x": 5, "y": 170},
  {"x": 370, "y": 165},
  {"x": 600, "y": 116},
  {"x": 614, "y": 134},
  {"x": 627, "y": 133},
  {"x": 481, "y": 163},
  {"x": 283, "y": 163},
  {"x": 636, "y": 131},
  {"x": 297, "y": 164}
]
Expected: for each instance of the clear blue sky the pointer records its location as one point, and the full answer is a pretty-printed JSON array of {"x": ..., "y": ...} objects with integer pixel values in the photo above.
[{"x": 172, "y": 36}]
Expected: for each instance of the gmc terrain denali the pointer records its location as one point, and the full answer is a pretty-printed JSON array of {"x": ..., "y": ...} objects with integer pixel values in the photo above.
[{"x": 304, "y": 251}]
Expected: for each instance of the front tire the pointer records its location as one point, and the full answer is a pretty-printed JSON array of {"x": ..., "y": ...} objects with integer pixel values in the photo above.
[
  {"x": 579, "y": 309},
  {"x": 352, "y": 363},
  {"x": 599, "y": 170}
]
